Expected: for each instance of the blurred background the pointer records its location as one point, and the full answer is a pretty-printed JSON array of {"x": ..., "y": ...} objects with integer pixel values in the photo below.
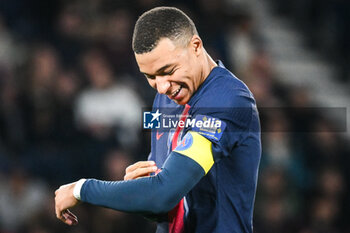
[{"x": 71, "y": 99}]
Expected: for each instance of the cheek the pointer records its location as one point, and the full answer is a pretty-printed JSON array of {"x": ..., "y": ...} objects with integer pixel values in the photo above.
[
  {"x": 186, "y": 79},
  {"x": 152, "y": 83}
]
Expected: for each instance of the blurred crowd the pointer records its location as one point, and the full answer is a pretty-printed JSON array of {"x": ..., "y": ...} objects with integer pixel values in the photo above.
[
  {"x": 71, "y": 100},
  {"x": 326, "y": 26}
]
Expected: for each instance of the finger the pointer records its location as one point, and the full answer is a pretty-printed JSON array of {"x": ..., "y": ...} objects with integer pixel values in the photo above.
[
  {"x": 61, "y": 217},
  {"x": 72, "y": 215},
  {"x": 70, "y": 218},
  {"x": 68, "y": 214},
  {"x": 69, "y": 221},
  {"x": 140, "y": 172},
  {"x": 139, "y": 164},
  {"x": 58, "y": 212}
]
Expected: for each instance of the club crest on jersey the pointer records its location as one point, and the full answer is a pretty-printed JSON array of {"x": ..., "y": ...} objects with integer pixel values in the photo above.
[{"x": 185, "y": 143}]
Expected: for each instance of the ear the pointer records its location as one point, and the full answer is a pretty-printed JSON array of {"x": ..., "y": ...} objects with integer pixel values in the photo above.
[{"x": 196, "y": 45}]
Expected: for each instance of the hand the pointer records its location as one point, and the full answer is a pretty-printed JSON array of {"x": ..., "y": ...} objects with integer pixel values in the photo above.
[
  {"x": 64, "y": 199},
  {"x": 140, "y": 169}
]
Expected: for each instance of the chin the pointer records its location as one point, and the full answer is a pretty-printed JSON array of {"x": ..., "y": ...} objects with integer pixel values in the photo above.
[{"x": 182, "y": 102}]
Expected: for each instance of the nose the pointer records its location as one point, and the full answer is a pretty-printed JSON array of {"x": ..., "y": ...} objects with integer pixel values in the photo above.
[{"x": 163, "y": 84}]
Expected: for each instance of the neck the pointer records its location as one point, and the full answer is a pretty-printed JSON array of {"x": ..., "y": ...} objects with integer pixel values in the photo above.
[{"x": 209, "y": 64}]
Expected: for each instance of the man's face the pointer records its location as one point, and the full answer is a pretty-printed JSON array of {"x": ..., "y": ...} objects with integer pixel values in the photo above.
[{"x": 173, "y": 70}]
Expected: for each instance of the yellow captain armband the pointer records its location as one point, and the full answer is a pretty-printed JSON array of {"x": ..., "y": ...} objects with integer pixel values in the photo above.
[{"x": 198, "y": 148}]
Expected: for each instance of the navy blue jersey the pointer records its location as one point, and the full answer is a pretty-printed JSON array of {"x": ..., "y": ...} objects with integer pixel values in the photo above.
[
  {"x": 223, "y": 200},
  {"x": 209, "y": 163}
]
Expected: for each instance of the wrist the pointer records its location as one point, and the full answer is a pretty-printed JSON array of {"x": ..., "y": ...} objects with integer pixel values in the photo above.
[{"x": 77, "y": 189}]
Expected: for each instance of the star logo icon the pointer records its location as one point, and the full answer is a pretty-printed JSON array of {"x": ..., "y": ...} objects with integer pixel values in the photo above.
[{"x": 156, "y": 115}]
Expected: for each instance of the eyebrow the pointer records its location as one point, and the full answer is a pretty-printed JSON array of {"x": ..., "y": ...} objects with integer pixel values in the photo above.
[{"x": 160, "y": 69}]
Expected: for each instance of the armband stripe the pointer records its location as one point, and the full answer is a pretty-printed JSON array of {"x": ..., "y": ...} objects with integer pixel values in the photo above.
[{"x": 198, "y": 148}]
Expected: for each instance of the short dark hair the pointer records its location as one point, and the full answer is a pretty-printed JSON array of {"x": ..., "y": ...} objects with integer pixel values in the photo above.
[{"x": 158, "y": 23}]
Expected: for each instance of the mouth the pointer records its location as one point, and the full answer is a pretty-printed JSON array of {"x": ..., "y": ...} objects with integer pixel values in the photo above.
[{"x": 176, "y": 92}]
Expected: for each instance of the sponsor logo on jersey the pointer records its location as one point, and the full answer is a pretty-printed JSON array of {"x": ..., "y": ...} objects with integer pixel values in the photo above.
[
  {"x": 159, "y": 135},
  {"x": 211, "y": 128}
]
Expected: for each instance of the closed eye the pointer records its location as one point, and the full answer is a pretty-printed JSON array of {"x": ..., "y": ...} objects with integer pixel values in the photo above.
[
  {"x": 170, "y": 72},
  {"x": 150, "y": 76}
]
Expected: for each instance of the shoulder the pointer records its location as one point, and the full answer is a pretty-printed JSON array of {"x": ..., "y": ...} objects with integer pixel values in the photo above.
[
  {"x": 224, "y": 90},
  {"x": 227, "y": 98}
]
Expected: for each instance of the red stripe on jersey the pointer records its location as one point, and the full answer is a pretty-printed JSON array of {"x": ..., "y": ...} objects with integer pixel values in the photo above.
[{"x": 176, "y": 215}]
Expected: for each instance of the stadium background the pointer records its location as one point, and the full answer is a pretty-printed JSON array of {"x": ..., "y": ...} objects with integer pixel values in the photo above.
[{"x": 71, "y": 100}]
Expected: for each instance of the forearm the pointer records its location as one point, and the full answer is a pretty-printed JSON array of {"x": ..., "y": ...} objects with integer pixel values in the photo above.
[{"x": 156, "y": 194}]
